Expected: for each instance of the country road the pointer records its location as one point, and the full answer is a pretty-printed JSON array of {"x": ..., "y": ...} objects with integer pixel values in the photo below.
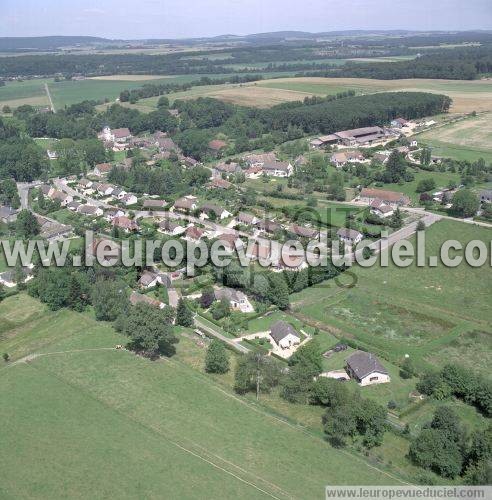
[
  {"x": 46, "y": 88},
  {"x": 200, "y": 324}
]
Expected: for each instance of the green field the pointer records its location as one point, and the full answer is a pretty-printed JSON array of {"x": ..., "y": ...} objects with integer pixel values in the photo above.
[
  {"x": 30, "y": 92},
  {"x": 81, "y": 419},
  {"x": 418, "y": 310},
  {"x": 442, "y": 180}
]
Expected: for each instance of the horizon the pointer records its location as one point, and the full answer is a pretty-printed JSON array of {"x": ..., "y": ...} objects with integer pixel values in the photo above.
[{"x": 163, "y": 20}]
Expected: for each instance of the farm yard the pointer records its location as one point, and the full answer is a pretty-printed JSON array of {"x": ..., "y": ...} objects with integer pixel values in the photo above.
[
  {"x": 164, "y": 421},
  {"x": 467, "y": 139}
]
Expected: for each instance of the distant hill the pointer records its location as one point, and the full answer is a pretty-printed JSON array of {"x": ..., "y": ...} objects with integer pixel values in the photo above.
[{"x": 46, "y": 42}]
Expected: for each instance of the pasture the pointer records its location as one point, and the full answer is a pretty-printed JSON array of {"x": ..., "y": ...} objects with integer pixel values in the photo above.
[
  {"x": 467, "y": 139},
  {"x": 81, "y": 409},
  {"x": 30, "y": 92},
  {"x": 416, "y": 310}
]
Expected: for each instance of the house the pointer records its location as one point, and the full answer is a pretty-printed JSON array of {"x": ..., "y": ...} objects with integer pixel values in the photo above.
[
  {"x": 85, "y": 184},
  {"x": 349, "y": 236},
  {"x": 399, "y": 123},
  {"x": 167, "y": 226},
  {"x": 47, "y": 190},
  {"x": 381, "y": 157},
  {"x": 190, "y": 162},
  {"x": 51, "y": 230},
  {"x": 166, "y": 144},
  {"x": 125, "y": 223},
  {"x": 278, "y": 168},
  {"x": 118, "y": 193},
  {"x": 253, "y": 172},
  {"x": 186, "y": 204},
  {"x": 230, "y": 241},
  {"x": 148, "y": 280},
  {"x": 52, "y": 155},
  {"x": 216, "y": 146},
  {"x": 304, "y": 232},
  {"x": 138, "y": 298},
  {"x": 395, "y": 199},
  {"x": 485, "y": 196},
  {"x": 237, "y": 300},
  {"x": 112, "y": 213},
  {"x": 380, "y": 209},
  {"x": 194, "y": 233},
  {"x": 226, "y": 169},
  {"x": 258, "y": 160},
  {"x": 268, "y": 226},
  {"x": 102, "y": 169},
  {"x": 121, "y": 135},
  {"x": 129, "y": 199},
  {"x": 246, "y": 219},
  {"x": 104, "y": 189},
  {"x": 74, "y": 205},
  {"x": 210, "y": 210},
  {"x": 151, "y": 204},
  {"x": 366, "y": 369},
  {"x": 90, "y": 210},
  {"x": 8, "y": 215},
  {"x": 219, "y": 183},
  {"x": 63, "y": 198},
  {"x": 8, "y": 278},
  {"x": 284, "y": 334},
  {"x": 341, "y": 158}
]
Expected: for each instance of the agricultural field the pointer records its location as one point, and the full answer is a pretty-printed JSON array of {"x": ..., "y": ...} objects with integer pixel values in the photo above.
[
  {"x": 167, "y": 426},
  {"x": 396, "y": 311},
  {"x": 30, "y": 92},
  {"x": 467, "y": 139}
]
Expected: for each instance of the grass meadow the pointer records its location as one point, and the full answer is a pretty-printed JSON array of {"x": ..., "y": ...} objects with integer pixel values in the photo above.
[
  {"x": 80, "y": 409},
  {"x": 418, "y": 310}
]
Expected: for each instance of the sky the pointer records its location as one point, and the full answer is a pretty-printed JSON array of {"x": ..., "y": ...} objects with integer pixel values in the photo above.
[{"x": 125, "y": 19}]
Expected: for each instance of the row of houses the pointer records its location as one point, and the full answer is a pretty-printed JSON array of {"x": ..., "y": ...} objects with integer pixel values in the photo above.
[{"x": 103, "y": 189}]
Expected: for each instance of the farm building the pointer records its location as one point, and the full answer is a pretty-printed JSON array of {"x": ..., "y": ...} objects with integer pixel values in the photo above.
[{"x": 366, "y": 136}]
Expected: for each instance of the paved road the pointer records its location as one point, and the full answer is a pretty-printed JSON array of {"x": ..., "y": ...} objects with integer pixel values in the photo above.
[
  {"x": 211, "y": 331},
  {"x": 23, "y": 190}
]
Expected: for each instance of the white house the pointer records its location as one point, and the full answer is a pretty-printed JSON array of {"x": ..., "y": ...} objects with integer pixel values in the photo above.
[
  {"x": 349, "y": 236},
  {"x": 278, "y": 168},
  {"x": 366, "y": 369},
  {"x": 105, "y": 189},
  {"x": 341, "y": 158},
  {"x": 209, "y": 208},
  {"x": 118, "y": 193},
  {"x": 129, "y": 199},
  {"x": 237, "y": 300},
  {"x": 380, "y": 209},
  {"x": 90, "y": 210},
  {"x": 167, "y": 226},
  {"x": 284, "y": 334}
]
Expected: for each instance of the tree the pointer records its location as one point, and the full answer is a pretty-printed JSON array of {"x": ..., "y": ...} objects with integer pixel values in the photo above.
[
  {"x": 207, "y": 298},
  {"x": 6, "y": 109},
  {"x": 216, "y": 359},
  {"x": 220, "y": 309},
  {"x": 340, "y": 422},
  {"x": 27, "y": 226},
  {"x": 407, "y": 369},
  {"x": 5, "y": 356},
  {"x": 396, "y": 167},
  {"x": 150, "y": 330},
  {"x": 425, "y": 185},
  {"x": 431, "y": 449},
  {"x": 329, "y": 392},
  {"x": 20, "y": 277},
  {"x": 163, "y": 102},
  {"x": 184, "y": 316},
  {"x": 465, "y": 203},
  {"x": 2, "y": 292},
  {"x": 421, "y": 225},
  {"x": 109, "y": 299},
  {"x": 396, "y": 220},
  {"x": 256, "y": 372}
]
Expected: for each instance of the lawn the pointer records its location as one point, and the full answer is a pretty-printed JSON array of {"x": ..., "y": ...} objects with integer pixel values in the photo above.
[
  {"x": 82, "y": 419},
  {"x": 418, "y": 310},
  {"x": 442, "y": 179}
]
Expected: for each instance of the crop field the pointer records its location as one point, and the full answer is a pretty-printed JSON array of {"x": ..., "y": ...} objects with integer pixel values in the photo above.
[
  {"x": 30, "y": 92},
  {"x": 468, "y": 139},
  {"x": 418, "y": 310},
  {"x": 167, "y": 426}
]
